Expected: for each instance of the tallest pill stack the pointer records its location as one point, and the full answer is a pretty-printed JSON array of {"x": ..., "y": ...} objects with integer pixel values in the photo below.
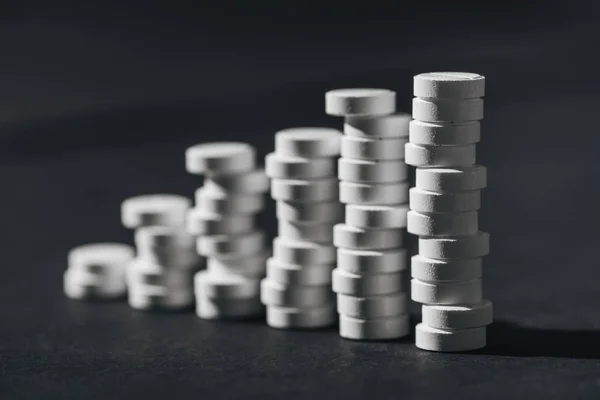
[
  {"x": 371, "y": 261},
  {"x": 443, "y": 212}
]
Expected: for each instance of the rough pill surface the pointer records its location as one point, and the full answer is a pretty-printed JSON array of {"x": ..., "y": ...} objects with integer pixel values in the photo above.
[
  {"x": 343, "y": 102},
  {"x": 286, "y": 167},
  {"x": 322, "y": 212},
  {"x": 231, "y": 246},
  {"x": 216, "y": 202},
  {"x": 393, "y": 126},
  {"x": 303, "y": 253},
  {"x": 426, "y": 201},
  {"x": 304, "y": 190},
  {"x": 220, "y": 157},
  {"x": 251, "y": 266},
  {"x": 436, "y": 110},
  {"x": 456, "y": 224},
  {"x": 321, "y": 233},
  {"x": 350, "y": 237},
  {"x": 447, "y": 293},
  {"x": 439, "y": 156},
  {"x": 309, "y": 142},
  {"x": 301, "y": 318},
  {"x": 472, "y": 246},
  {"x": 366, "y": 262},
  {"x": 458, "y": 317},
  {"x": 428, "y": 338},
  {"x": 374, "y": 329},
  {"x": 373, "y": 193},
  {"x": 249, "y": 182},
  {"x": 449, "y": 270},
  {"x": 298, "y": 275},
  {"x": 444, "y": 134},
  {"x": 366, "y": 285},
  {"x": 372, "y": 216},
  {"x": 154, "y": 209},
  {"x": 200, "y": 222},
  {"x": 366, "y": 171},
  {"x": 449, "y": 85},
  {"x": 451, "y": 180},
  {"x": 372, "y": 307},
  {"x": 276, "y": 294},
  {"x": 364, "y": 148}
]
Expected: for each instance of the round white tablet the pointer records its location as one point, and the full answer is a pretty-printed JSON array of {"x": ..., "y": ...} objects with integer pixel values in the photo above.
[
  {"x": 228, "y": 246},
  {"x": 156, "y": 298},
  {"x": 364, "y": 148},
  {"x": 298, "y": 275},
  {"x": 220, "y": 157},
  {"x": 251, "y": 266},
  {"x": 451, "y": 179},
  {"x": 377, "y": 126},
  {"x": 449, "y": 293},
  {"x": 216, "y": 202},
  {"x": 309, "y": 142},
  {"x": 162, "y": 237},
  {"x": 373, "y": 193},
  {"x": 207, "y": 308},
  {"x": 431, "y": 270},
  {"x": 154, "y": 209},
  {"x": 373, "y": 306},
  {"x": 426, "y": 201},
  {"x": 328, "y": 211},
  {"x": 287, "y": 167},
  {"x": 144, "y": 272},
  {"x": 444, "y": 134},
  {"x": 82, "y": 285},
  {"x": 366, "y": 285},
  {"x": 440, "y": 156},
  {"x": 457, "y": 224},
  {"x": 321, "y": 233},
  {"x": 428, "y": 338},
  {"x": 101, "y": 258},
  {"x": 250, "y": 182},
  {"x": 200, "y": 222},
  {"x": 376, "y": 217},
  {"x": 342, "y": 102},
  {"x": 276, "y": 294},
  {"x": 353, "y": 170},
  {"x": 302, "y": 252},
  {"x": 458, "y": 317},
  {"x": 374, "y": 329},
  {"x": 350, "y": 237},
  {"x": 304, "y": 190},
  {"x": 364, "y": 262},
  {"x": 449, "y": 85},
  {"x": 220, "y": 286},
  {"x": 436, "y": 110},
  {"x": 301, "y": 318},
  {"x": 472, "y": 246}
]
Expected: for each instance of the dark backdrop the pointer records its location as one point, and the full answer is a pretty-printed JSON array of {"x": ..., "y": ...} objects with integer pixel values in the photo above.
[{"x": 98, "y": 101}]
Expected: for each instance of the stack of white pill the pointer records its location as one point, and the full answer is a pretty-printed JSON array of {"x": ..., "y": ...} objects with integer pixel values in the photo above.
[
  {"x": 160, "y": 277},
  {"x": 223, "y": 222},
  {"x": 369, "y": 279},
  {"x": 97, "y": 271},
  {"x": 443, "y": 211},
  {"x": 297, "y": 289}
]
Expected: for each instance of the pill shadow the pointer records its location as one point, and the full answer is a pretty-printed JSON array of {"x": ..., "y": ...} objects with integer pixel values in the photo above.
[{"x": 509, "y": 339}]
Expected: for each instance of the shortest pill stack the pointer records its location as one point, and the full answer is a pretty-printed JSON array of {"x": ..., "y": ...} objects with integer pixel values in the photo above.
[
  {"x": 297, "y": 289},
  {"x": 223, "y": 222},
  {"x": 97, "y": 271},
  {"x": 444, "y": 204},
  {"x": 371, "y": 260}
]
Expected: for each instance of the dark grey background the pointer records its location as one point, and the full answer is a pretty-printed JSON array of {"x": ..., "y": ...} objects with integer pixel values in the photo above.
[{"x": 98, "y": 101}]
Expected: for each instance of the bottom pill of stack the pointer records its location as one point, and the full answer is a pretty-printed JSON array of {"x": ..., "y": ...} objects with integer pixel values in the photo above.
[{"x": 97, "y": 271}]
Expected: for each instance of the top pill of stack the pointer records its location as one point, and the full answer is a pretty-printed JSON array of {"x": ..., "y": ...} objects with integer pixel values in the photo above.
[
  {"x": 345, "y": 102},
  {"x": 449, "y": 85},
  {"x": 308, "y": 142},
  {"x": 220, "y": 158}
]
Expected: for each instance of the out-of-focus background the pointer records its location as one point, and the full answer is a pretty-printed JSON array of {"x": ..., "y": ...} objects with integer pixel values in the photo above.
[{"x": 99, "y": 99}]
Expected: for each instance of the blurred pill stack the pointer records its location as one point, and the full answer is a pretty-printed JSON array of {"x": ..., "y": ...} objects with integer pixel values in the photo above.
[
  {"x": 223, "y": 223},
  {"x": 160, "y": 277},
  {"x": 297, "y": 289},
  {"x": 443, "y": 211},
  {"x": 370, "y": 276}
]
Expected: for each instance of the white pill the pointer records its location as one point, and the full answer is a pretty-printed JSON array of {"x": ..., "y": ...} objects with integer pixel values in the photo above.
[
  {"x": 451, "y": 179},
  {"x": 309, "y": 142},
  {"x": 432, "y": 339},
  {"x": 364, "y": 148},
  {"x": 276, "y": 294},
  {"x": 442, "y": 224},
  {"x": 472, "y": 246},
  {"x": 216, "y": 202},
  {"x": 322, "y": 233},
  {"x": 220, "y": 157},
  {"x": 366, "y": 171},
  {"x": 287, "y": 167},
  {"x": 439, "y": 156},
  {"x": 458, "y": 317},
  {"x": 449, "y": 85},
  {"x": 372, "y": 216},
  {"x": 225, "y": 286},
  {"x": 374, "y": 329},
  {"x": 101, "y": 258},
  {"x": 426, "y": 201},
  {"x": 448, "y": 293},
  {"x": 329, "y": 211},
  {"x": 302, "y": 252},
  {"x": 83, "y": 285},
  {"x": 200, "y": 222},
  {"x": 298, "y": 275},
  {"x": 431, "y": 270},
  {"x": 342, "y": 102},
  {"x": 301, "y": 318},
  {"x": 304, "y": 190},
  {"x": 366, "y": 285},
  {"x": 444, "y": 134},
  {"x": 378, "y": 126},
  {"x": 436, "y": 110},
  {"x": 180, "y": 258},
  {"x": 227, "y": 246},
  {"x": 251, "y": 266},
  {"x": 207, "y": 308},
  {"x": 350, "y": 237},
  {"x": 365, "y": 262},
  {"x": 154, "y": 209},
  {"x": 144, "y": 272},
  {"x": 373, "y": 193},
  {"x": 149, "y": 238},
  {"x": 150, "y": 298},
  {"x": 372, "y": 307},
  {"x": 250, "y": 182}
]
